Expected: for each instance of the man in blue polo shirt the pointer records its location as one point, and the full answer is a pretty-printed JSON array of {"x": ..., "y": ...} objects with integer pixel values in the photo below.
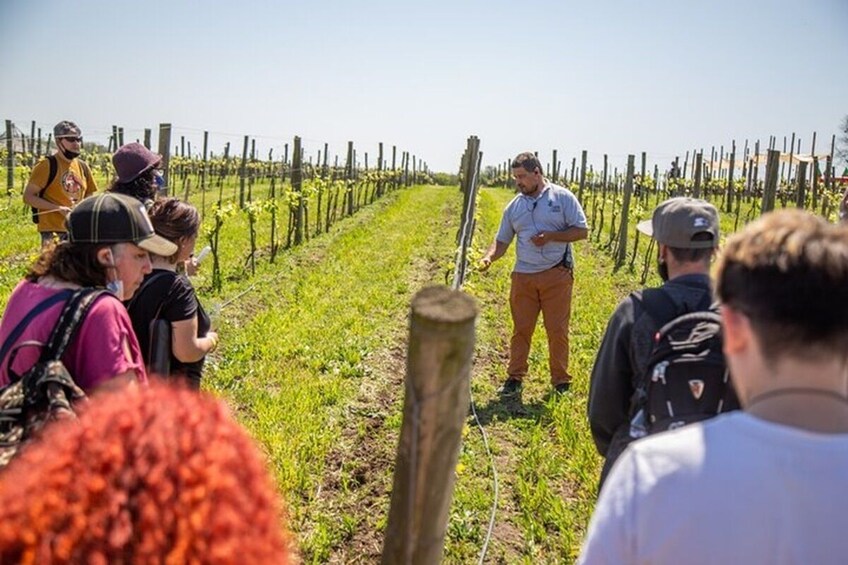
[{"x": 546, "y": 218}]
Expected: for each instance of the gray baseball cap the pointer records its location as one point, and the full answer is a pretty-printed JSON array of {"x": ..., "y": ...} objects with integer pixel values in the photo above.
[
  {"x": 677, "y": 220},
  {"x": 66, "y": 128}
]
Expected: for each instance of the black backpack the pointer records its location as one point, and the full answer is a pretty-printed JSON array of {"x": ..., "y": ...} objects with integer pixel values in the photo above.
[
  {"x": 54, "y": 169},
  {"x": 45, "y": 392},
  {"x": 686, "y": 379}
]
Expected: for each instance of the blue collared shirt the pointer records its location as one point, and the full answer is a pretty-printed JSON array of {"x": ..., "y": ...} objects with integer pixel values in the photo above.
[{"x": 554, "y": 209}]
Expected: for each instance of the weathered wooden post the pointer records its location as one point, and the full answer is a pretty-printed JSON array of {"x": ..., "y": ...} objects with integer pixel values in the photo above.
[
  {"x": 147, "y": 133},
  {"x": 583, "y": 155},
  {"x": 203, "y": 173},
  {"x": 801, "y": 176},
  {"x": 349, "y": 178},
  {"x": 729, "y": 206},
  {"x": 243, "y": 172},
  {"x": 165, "y": 152},
  {"x": 698, "y": 169},
  {"x": 10, "y": 160},
  {"x": 297, "y": 182},
  {"x": 625, "y": 214},
  {"x": 772, "y": 172},
  {"x": 438, "y": 367}
]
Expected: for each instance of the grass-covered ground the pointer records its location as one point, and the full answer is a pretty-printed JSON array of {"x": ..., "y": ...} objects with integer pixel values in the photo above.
[{"x": 312, "y": 361}]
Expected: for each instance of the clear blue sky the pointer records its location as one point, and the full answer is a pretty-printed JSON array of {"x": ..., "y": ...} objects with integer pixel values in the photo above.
[{"x": 612, "y": 77}]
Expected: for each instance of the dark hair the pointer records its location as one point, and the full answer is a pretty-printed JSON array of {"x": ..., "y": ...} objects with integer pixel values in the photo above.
[
  {"x": 174, "y": 220},
  {"x": 788, "y": 273},
  {"x": 141, "y": 188},
  {"x": 71, "y": 262},
  {"x": 686, "y": 255},
  {"x": 528, "y": 161}
]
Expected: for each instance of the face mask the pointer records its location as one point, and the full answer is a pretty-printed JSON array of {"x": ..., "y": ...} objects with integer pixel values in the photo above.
[
  {"x": 69, "y": 155},
  {"x": 115, "y": 286},
  {"x": 158, "y": 179}
]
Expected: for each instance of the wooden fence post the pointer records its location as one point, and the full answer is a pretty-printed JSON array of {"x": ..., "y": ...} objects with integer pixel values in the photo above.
[
  {"x": 583, "y": 155},
  {"x": 625, "y": 214},
  {"x": 349, "y": 178},
  {"x": 441, "y": 346},
  {"x": 147, "y": 137},
  {"x": 243, "y": 172},
  {"x": 772, "y": 172},
  {"x": 203, "y": 173},
  {"x": 297, "y": 182},
  {"x": 10, "y": 160},
  {"x": 698, "y": 170},
  {"x": 165, "y": 152},
  {"x": 729, "y": 206},
  {"x": 801, "y": 176}
]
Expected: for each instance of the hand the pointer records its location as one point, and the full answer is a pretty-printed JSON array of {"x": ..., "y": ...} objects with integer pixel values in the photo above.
[
  {"x": 485, "y": 263},
  {"x": 191, "y": 266},
  {"x": 539, "y": 239},
  {"x": 64, "y": 210},
  {"x": 213, "y": 339}
]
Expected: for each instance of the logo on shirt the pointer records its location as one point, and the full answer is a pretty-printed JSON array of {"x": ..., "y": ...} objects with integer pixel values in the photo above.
[
  {"x": 72, "y": 186},
  {"x": 696, "y": 387}
]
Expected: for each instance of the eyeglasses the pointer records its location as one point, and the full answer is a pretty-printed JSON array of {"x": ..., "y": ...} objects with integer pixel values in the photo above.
[{"x": 72, "y": 139}]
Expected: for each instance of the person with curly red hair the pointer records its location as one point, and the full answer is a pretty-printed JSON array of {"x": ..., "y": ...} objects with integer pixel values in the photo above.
[{"x": 146, "y": 475}]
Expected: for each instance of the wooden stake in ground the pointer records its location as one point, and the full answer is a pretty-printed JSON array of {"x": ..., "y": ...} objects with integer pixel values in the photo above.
[
  {"x": 772, "y": 172},
  {"x": 441, "y": 345},
  {"x": 10, "y": 160},
  {"x": 165, "y": 152}
]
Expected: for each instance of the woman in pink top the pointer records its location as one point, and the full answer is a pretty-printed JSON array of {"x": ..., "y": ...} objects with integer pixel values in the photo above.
[{"x": 109, "y": 237}]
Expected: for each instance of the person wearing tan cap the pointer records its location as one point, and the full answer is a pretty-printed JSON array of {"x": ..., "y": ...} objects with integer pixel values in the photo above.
[
  {"x": 687, "y": 234},
  {"x": 58, "y": 182},
  {"x": 109, "y": 238}
]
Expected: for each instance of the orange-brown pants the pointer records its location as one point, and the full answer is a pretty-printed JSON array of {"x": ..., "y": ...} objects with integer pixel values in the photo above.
[{"x": 550, "y": 293}]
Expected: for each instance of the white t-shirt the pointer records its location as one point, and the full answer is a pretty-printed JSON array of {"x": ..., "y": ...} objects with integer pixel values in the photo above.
[
  {"x": 735, "y": 489},
  {"x": 555, "y": 209}
]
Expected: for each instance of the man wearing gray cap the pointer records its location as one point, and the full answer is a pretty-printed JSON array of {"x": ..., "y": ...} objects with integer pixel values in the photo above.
[
  {"x": 58, "y": 182},
  {"x": 687, "y": 234}
]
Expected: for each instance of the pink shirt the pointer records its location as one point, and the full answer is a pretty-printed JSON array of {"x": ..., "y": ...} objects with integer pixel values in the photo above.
[{"x": 105, "y": 345}]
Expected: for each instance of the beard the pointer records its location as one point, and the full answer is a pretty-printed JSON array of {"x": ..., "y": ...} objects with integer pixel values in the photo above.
[{"x": 662, "y": 269}]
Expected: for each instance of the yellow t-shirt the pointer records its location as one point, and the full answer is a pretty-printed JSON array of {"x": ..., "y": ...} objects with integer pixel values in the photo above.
[{"x": 72, "y": 183}]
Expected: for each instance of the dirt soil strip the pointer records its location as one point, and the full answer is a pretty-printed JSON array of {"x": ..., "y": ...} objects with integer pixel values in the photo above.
[{"x": 359, "y": 471}]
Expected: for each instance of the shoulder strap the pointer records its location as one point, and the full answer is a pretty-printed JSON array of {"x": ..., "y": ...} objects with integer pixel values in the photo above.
[
  {"x": 659, "y": 304},
  {"x": 145, "y": 285},
  {"x": 39, "y": 308},
  {"x": 54, "y": 170},
  {"x": 69, "y": 322}
]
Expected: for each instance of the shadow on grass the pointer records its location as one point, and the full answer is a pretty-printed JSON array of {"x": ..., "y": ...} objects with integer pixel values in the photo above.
[{"x": 507, "y": 408}]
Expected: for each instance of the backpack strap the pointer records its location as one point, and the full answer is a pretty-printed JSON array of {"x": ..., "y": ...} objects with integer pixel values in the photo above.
[
  {"x": 54, "y": 170},
  {"x": 663, "y": 309},
  {"x": 25, "y": 321}
]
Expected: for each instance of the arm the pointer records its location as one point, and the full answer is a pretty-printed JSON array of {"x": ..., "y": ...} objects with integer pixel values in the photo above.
[
  {"x": 610, "y": 386},
  {"x": 571, "y": 234},
  {"x": 185, "y": 344},
  {"x": 843, "y": 208},
  {"x": 495, "y": 252},
  {"x": 32, "y": 198}
]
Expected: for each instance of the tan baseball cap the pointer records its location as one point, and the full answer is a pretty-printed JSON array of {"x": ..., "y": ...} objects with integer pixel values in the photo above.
[{"x": 677, "y": 220}]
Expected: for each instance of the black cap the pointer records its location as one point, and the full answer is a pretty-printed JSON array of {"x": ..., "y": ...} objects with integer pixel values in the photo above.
[{"x": 110, "y": 217}]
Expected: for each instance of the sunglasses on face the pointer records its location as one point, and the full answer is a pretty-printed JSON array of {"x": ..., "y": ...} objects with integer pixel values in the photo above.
[{"x": 72, "y": 139}]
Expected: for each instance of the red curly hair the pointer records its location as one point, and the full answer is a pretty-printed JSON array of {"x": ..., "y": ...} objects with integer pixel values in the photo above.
[{"x": 147, "y": 475}]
